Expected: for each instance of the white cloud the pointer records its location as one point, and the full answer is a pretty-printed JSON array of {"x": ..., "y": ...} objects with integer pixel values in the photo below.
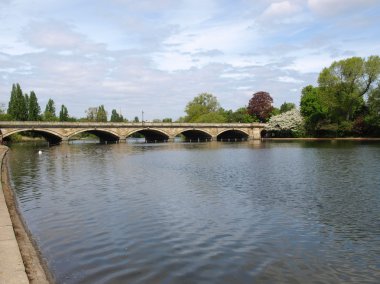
[
  {"x": 281, "y": 9},
  {"x": 334, "y": 7},
  {"x": 158, "y": 56},
  {"x": 287, "y": 79},
  {"x": 311, "y": 63}
]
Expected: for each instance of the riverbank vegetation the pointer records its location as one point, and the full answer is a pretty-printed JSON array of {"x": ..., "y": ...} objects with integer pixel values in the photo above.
[{"x": 346, "y": 102}]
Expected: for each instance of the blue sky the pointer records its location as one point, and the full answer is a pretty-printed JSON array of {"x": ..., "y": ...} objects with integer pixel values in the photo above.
[{"x": 157, "y": 55}]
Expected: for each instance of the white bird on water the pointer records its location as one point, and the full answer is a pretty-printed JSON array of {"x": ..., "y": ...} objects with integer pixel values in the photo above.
[{"x": 39, "y": 152}]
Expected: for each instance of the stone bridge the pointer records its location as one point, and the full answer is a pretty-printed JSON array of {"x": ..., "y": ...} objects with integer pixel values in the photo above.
[{"x": 57, "y": 132}]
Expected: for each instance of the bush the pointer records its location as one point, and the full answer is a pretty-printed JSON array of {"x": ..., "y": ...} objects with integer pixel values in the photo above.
[{"x": 287, "y": 124}]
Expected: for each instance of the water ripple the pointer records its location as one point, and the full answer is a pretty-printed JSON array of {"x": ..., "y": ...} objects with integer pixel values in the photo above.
[{"x": 204, "y": 213}]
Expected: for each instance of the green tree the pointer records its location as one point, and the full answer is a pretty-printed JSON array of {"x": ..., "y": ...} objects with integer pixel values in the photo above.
[
  {"x": 211, "y": 117},
  {"x": 17, "y": 108},
  {"x": 63, "y": 114},
  {"x": 312, "y": 108},
  {"x": 136, "y": 119},
  {"x": 115, "y": 117},
  {"x": 4, "y": 116},
  {"x": 202, "y": 105},
  {"x": 286, "y": 107},
  {"x": 344, "y": 84},
  {"x": 240, "y": 115},
  {"x": 34, "y": 109},
  {"x": 26, "y": 99},
  {"x": 101, "y": 115},
  {"x": 167, "y": 120},
  {"x": 373, "y": 116},
  {"x": 91, "y": 113},
  {"x": 49, "y": 114}
]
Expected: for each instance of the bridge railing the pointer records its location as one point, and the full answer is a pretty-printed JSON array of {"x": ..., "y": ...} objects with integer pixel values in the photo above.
[{"x": 7, "y": 124}]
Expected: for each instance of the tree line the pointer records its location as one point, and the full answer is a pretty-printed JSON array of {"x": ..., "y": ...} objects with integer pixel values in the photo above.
[
  {"x": 346, "y": 102},
  {"x": 24, "y": 107}
]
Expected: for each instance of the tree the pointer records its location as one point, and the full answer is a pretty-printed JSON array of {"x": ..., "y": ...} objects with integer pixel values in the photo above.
[
  {"x": 26, "y": 99},
  {"x": 115, "y": 117},
  {"x": 167, "y": 120},
  {"x": 373, "y": 117},
  {"x": 101, "y": 115},
  {"x": 136, "y": 119},
  {"x": 49, "y": 114},
  {"x": 91, "y": 113},
  {"x": 286, "y": 107},
  {"x": 312, "y": 108},
  {"x": 211, "y": 117},
  {"x": 34, "y": 109},
  {"x": 239, "y": 115},
  {"x": 260, "y": 105},
  {"x": 17, "y": 108},
  {"x": 201, "y": 105},
  {"x": 344, "y": 84},
  {"x": 63, "y": 114},
  {"x": 287, "y": 124}
]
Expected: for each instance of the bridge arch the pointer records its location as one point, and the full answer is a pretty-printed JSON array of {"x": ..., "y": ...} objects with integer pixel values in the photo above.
[
  {"x": 233, "y": 135},
  {"x": 50, "y": 135},
  {"x": 195, "y": 134},
  {"x": 104, "y": 135},
  {"x": 151, "y": 134}
]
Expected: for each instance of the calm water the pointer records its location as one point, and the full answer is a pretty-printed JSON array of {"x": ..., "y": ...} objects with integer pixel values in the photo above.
[{"x": 294, "y": 212}]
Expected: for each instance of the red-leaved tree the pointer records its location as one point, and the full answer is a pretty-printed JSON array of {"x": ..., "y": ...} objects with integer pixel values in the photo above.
[{"x": 260, "y": 105}]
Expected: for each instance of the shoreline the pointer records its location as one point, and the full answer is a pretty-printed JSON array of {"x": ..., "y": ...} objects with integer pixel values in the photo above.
[
  {"x": 322, "y": 139},
  {"x": 34, "y": 265}
]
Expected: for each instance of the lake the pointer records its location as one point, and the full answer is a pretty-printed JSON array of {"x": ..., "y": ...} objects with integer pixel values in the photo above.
[{"x": 250, "y": 212}]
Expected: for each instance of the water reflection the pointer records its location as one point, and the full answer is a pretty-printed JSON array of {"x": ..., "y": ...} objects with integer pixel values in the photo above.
[{"x": 204, "y": 212}]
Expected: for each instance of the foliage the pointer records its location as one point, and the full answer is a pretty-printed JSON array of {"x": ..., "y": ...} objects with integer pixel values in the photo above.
[
  {"x": 260, "y": 105},
  {"x": 101, "y": 114},
  {"x": 34, "y": 109},
  {"x": 345, "y": 83},
  {"x": 202, "y": 105},
  {"x": 91, "y": 113},
  {"x": 166, "y": 120},
  {"x": 63, "y": 114},
  {"x": 49, "y": 114},
  {"x": 312, "y": 108},
  {"x": 286, "y": 107},
  {"x": 275, "y": 111},
  {"x": 372, "y": 119},
  {"x": 136, "y": 119},
  {"x": 289, "y": 123},
  {"x": 211, "y": 117},
  {"x": 17, "y": 107},
  {"x": 16, "y": 137},
  {"x": 240, "y": 115},
  {"x": 115, "y": 117},
  {"x": 5, "y": 117}
]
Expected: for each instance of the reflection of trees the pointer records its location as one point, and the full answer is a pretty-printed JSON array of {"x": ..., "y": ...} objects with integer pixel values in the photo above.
[{"x": 24, "y": 169}]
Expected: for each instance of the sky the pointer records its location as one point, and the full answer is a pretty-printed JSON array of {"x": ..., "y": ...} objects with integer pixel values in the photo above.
[{"x": 156, "y": 56}]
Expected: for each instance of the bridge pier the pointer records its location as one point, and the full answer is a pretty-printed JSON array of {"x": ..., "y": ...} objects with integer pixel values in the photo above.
[
  {"x": 122, "y": 140},
  {"x": 170, "y": 139},
  {"x": 65, "y": 140},
  {"x": 256, "y": 134}
]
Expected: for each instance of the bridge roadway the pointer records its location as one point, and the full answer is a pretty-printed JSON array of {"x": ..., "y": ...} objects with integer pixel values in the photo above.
[{"x": 61, "y": 132}]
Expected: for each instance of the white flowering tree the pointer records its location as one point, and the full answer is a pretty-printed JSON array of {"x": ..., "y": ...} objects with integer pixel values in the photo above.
[{"x": 287, "y": 124}]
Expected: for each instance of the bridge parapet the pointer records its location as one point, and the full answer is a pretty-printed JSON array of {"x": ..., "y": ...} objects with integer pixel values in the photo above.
[{"x": 115, "y": 131}]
